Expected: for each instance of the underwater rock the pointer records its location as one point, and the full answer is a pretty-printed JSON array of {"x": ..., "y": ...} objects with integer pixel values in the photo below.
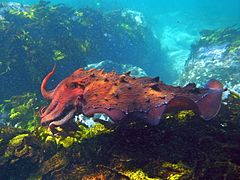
[
  {"x": 109, "y": 66},
  {"x": 216, "y": 55},
  {"x": 135, "y": 15},
  {"x": 19, "y": 152}
]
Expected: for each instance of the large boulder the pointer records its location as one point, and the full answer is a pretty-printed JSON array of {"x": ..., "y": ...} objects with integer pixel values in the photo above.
[{"x": 215, "y": 56}]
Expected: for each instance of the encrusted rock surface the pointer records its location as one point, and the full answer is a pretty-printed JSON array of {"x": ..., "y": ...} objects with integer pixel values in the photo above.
[{"x": 217, "y": 56}]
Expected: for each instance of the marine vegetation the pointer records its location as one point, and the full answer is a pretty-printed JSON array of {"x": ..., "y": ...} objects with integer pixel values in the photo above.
[
  {"x": 174, "y": 149},
  {"x": 216, "y": 55},
  {"x": 122, "y": 97},
  {"x": 29, "y": 42},
  {"x": 37, "y": 36},
  {"x": 21, "y": 111}
]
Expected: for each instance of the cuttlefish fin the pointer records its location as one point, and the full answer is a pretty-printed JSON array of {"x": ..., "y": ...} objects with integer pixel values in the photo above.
[
  {"x": 176, "y": 104},
  {"x": 207, "y": 106},
  {"x": 210, "y": 103},
  {"x": 155, "y": 115}
]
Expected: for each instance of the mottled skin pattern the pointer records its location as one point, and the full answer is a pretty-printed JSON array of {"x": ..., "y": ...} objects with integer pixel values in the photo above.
[{"x": 122, "y": 97}]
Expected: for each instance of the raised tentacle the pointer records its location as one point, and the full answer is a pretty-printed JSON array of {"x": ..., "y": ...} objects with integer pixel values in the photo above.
[{"x": 47, "y": 94}]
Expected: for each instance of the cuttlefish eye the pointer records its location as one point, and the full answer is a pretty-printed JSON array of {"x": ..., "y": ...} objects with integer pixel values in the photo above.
[{"x": 73, "y": 85}]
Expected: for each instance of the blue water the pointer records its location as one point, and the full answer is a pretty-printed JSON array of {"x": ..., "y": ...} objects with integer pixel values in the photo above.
[{"x": 176, "y": 23}]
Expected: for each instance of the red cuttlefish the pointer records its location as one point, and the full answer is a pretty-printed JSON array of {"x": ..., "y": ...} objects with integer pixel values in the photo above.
[{"x": 122, "y": 97}]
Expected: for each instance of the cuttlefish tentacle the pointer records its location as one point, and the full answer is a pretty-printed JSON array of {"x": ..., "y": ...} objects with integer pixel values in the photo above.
[
  {"x": 47, "y": 94},
  {"x": 62, "y": 121},
  {"x": 53, "y": 114}
]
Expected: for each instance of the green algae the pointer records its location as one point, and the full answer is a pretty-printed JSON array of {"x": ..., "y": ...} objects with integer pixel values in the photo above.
[
  {"x": 17, "y": 140},
  {"x": 181, "y": 116},
  {"x": 13, "y": 145},
  {"x": 67, "y": 140},
  {"x": 138, "y": 175},
  {"x": 58, "y": 55},
  {"x": 29, "y": 14},
  {"x": 23, "y": 151},
  {"x": 85, "y": 46},
  {"x": 175, "y": 171},
  {"x": 21, "y": 111},
  {"x": 97, "y": 129},
  {"x": 220, "y": 36}
]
